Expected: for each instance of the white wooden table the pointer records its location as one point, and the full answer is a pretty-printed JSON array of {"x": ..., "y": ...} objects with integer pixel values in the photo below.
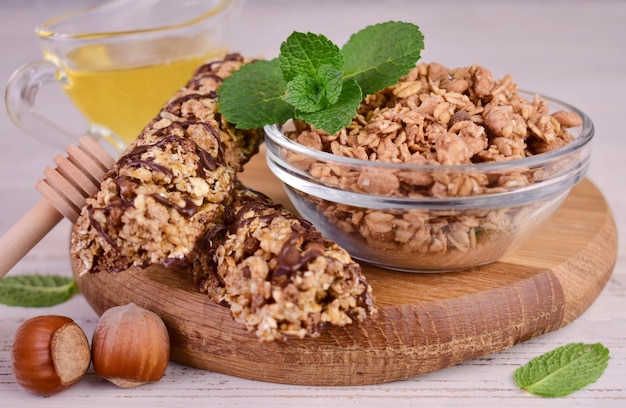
[{"x": 570, "y": 50}]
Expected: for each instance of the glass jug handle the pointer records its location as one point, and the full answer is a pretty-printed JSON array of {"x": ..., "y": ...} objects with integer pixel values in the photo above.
[{"x": 20, "y": 99}]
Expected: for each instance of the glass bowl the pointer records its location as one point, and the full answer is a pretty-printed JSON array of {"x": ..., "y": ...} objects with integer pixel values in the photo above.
[{"x": 418, "y": 233}]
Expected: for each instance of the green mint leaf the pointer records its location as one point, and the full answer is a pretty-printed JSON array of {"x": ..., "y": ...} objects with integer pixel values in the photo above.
[
  {"x": 252, "y": 96},
  {"x": 332, "y": 78},
  {"x": 564, "y": 370},
  {"x": 36, "y": 290},
  {"x": 311, "y": 65},
  {"x": 339, "y": 115},
  {"x": 304, "y": 54},
  {"x": 305, "y": 93},
  {"x": 309, "y": 94},
  {"x": 379, "y": 55}
]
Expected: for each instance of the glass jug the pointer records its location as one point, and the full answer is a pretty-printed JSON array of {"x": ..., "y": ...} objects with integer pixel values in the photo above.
[{"x": 119, "y": 63}]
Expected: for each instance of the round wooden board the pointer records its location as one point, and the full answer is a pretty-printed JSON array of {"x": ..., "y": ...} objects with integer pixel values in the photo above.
[{"x": 426, "y": 322}]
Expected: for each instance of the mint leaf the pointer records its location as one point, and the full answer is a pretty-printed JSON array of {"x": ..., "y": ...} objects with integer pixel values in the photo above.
[
  {"x": 338, "y": 115},
  {"x": 252, "y": 96},
  {"x": 305, "y": 93},
  {"x": 310, "y": 94},
  {"x": 379, "y": 55},
  {"x": 304, "y": 54},
  {"x": 36, "y": 290},
  {"x": 311, "y": 65},
  {"x": 564, "y": 370},
  {"x": 309, "y": 78},
  {"x": 332, "y": 78}
]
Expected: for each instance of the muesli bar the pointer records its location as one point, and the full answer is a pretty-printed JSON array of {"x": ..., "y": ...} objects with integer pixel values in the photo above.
[
  {"x": 176, "y": 177},
  {"x": 280, "y": 277}
]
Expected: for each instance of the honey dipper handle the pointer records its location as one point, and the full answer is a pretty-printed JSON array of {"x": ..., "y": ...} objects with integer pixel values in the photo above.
[{"x": 26, "y": 233}]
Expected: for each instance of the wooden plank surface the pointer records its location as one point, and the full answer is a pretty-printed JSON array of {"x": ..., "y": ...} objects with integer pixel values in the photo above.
[{"x": 426, "y": 322}]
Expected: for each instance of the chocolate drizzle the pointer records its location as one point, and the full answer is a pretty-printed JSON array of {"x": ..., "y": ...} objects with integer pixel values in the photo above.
[
  {"x": 126, "y": 185},
  {"x": 151, "y": 165},
  {"x": 133, "y": 158},
  {"x": 257, "y": 207},
  {"x": 302, "y": 247},
  {"x": 291, "y": 259},
  {"x": 205, "y": 250},
  {"x": 205, "y": 160},
  {"x": 111, "y": 212},
  {"x": 196, "y": 84},
  {"x": 189, "y": 210},
  {"x": 208, "y": 67},
  {"x": 175, "y": 106}
]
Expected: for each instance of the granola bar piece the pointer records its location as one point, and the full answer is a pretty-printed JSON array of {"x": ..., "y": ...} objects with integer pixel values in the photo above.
[
  {"x": 172, "y": 183},
  {"x": 280, "y": 277}
]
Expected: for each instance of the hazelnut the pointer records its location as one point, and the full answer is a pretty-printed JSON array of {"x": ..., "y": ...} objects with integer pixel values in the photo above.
[
  {"x": 130, "y": 346},
  {"x": 50, "y": 353}
]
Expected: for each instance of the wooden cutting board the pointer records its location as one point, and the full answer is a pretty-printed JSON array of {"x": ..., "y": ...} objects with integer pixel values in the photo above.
[{"x": 426, "y": 322}]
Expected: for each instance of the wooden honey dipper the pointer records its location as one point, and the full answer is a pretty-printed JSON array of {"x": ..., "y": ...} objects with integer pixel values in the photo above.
[{"x": 64, "y": 191}]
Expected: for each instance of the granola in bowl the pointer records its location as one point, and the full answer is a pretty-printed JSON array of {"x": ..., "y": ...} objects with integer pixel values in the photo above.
[{"x": 447, "y": 169}]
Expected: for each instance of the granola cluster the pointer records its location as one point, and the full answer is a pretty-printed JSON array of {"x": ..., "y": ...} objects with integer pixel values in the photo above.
[
  {"x": 176, "y": 186},
  {"x": 440, "y": 117}
]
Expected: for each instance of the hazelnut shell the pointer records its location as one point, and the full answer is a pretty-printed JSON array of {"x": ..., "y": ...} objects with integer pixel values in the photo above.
[
  {"x": 130, "y": 346},
  {"x": 50, "y": 353}
]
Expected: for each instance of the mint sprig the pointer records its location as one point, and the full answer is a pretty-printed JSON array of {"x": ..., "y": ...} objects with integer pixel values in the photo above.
[
  {"x": 564, "y": 370},
  {"x": 36, "y": 290},
  {"x": 314, "y": 80}
]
